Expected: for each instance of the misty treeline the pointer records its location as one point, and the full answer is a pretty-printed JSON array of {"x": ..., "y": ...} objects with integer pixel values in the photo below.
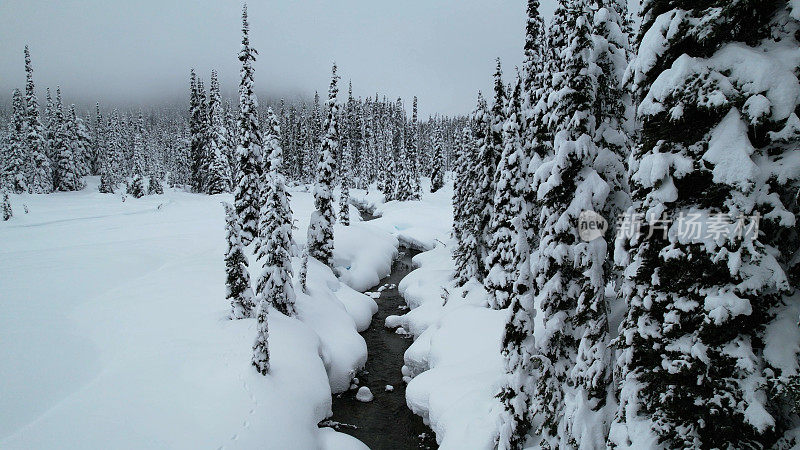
[
  {"x": 52, "y": 148},
  {"x": 675, "y": 328}
]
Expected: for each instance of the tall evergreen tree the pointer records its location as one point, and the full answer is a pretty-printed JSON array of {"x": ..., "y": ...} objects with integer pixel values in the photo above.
[
  {"x": 465, "y": 254},
  {"x": 569, "y": 272},
  {"x": 50, "y": 126},
  {"x": 237, "y": 281},
  {"x": 41, "y": 180},
  {"x": 489, "y": 156},
  {"x": 15, "y": 158},
  {"x": 536, "y": 132},
  {"x": 519, "y": 346},
  {"x": 66, "y": 175},
  {"x": 503, "y": 259},
  {"x": 413, "y": 155},
  {"x": 320, "y": 230},
  {"x": 114, "y": 151},
  {"x": 218, "y": 176},
  {"x": 248, "y": 189},
  {"x": 107, "y": 185},
  {"x": 344, "y": 195},
  {"x": 698, "y": 363},
  {"x": 274, "y": 286},
  {"x": 203, "y": 137},
  {"x": 136, "y": 186},
  {"x": 406, "y": 189},
  {"x": 82, "y": 142},
  {"x": 98, "y": 141},
  {"x": 197, "y": 131},
  {"x": 481, "y": 120},
  {"x": 437, "y": 176}
]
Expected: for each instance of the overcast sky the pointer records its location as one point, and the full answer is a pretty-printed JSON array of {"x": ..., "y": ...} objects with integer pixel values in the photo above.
[{"x": 140, "y": 52}]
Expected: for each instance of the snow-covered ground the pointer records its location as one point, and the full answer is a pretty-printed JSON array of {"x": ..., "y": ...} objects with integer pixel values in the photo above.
[
  {"x": 454, "y": 366},
  {"x": 115, "y": 332},
  {"x": 114, "y": 328}
]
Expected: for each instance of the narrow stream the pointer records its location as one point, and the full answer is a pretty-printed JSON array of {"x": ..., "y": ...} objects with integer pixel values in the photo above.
[{"x": 385, "y": 422}]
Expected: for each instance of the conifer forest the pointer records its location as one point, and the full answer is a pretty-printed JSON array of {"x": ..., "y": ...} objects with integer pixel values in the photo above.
[{"x": 528, "y": 224}]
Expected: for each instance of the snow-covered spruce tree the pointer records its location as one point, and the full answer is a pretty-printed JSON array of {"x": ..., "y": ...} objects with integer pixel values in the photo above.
[
  {"x": 49, "y": 127},
  {"x": 107, "y": 185},
  {"x": 315, "y": 134},
  {"x": 701, "y": 363},
  {"x": 390, "y": 170},
  {"x": 261, "y": 345},
  {"x": 413, "y": 152},
  {"x": 460, "y": 189},
  {"x": 66, "y": 175},
  {"x": 82, "y": 142},
  {"x": 41, "y": 177},
  {"x": 218, "y": 178},
  {"x": 203, "y": 137},
  {"x": 536, "y": 133},
  {"x": 16, "y": 153},
  {"x": 320, "y": 230},
  {"x": 197, "y": 131},
  {"x": 477, "y": 201},
  {"x": 136, "y": 186},
  {"x": 237, "y": 281},
  {"x": 8, "y": 213},
  {"x": 488, "y": 159},
  {"x": 344, "y": 195},
  {"x": 110, "y": 165},
  {"x": 503, "y": 260},
  {"x": 437, "y": 176},
  {"x": 116, "y": 150},
  {"x": 247, "y": 192},
  {"x": 466, "y": 252},
  {"x": 154, "y": 185},
  {"x": 569, "y": 273},
  {"x": 98, "y": 141},
  {"x": 612, "y": 104},
  {"x": 304, "y": 271},
  {"x": 405, "y": 177},
  {"x": 233, "y": 141},
  {"x": 368, "y": 147},
  {"x": 519, "y": 346},
  {"x": 274, "y": 286}
]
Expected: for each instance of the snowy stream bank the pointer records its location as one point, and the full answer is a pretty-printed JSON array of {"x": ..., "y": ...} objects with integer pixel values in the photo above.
[{"x": 384, "y": 422}]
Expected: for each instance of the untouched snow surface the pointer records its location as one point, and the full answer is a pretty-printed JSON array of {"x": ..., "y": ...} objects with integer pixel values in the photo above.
[
  {"x": 454, "y": 364},
  {"x": 115, "y": 333}
]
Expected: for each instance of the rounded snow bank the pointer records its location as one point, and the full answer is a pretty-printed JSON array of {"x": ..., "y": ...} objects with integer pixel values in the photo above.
[
  {"x": 363, "y": 255},
  {"x": 331, "y": 439}
]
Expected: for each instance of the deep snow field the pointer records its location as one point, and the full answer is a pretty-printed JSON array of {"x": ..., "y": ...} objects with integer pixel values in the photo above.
[{"x": 114, "y": 328}]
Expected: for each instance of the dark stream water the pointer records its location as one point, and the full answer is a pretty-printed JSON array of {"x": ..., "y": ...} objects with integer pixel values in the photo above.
[{"x": 385, "y": 422}]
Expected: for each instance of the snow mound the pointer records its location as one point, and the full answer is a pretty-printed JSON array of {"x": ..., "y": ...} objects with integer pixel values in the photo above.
[
  {"x": 331, "y": 439},
  {"x": 364, "y": 394},
  {"x": 363, "y": 254}
]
